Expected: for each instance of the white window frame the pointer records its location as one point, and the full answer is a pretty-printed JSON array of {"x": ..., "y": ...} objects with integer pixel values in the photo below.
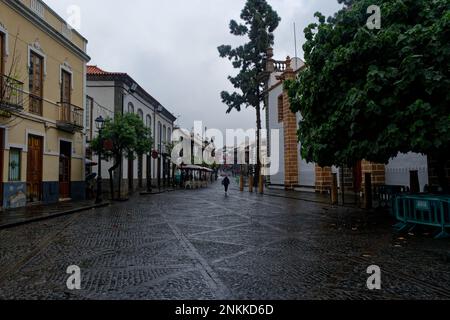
[
  {"x": 39, "y": 52},
  {"x": 169, "y": 135},
  {"x": 20, "y": 165},
  {"x": 128, "y": 107}
]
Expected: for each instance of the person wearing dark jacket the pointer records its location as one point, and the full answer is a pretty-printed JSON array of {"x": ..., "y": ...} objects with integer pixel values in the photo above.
[{"x": 226, "y": 184}]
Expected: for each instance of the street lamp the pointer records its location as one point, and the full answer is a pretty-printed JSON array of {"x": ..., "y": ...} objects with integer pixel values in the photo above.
[{"x": 99, "y": 123}]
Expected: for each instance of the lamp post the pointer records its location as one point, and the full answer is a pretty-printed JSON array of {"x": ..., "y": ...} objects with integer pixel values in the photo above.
[
  {"x": 149, "y": 172},
  {"x": 99, "y": 123}
]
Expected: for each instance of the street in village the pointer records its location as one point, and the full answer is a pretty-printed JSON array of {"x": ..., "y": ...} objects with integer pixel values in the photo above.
[{"x": 200, "y": 244}]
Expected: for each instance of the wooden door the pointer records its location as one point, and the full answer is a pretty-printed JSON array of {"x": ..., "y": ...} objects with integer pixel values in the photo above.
[
  {"x": 66, "y": 88},
  {"x": 65, "y": 159},
  {"x": 34, "y": 168},
  {"x": 36, "y": 83}
]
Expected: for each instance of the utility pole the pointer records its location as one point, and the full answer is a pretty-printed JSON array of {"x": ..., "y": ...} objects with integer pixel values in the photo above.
[{"x": 295, "y": 46}]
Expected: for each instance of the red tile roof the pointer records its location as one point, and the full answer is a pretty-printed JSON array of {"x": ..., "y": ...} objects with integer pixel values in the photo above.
[{"x": 94, "y": 70}]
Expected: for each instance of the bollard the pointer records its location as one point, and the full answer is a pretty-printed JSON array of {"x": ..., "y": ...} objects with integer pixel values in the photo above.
[
  {"x": 250, "y": 184},
  {"x": 414, "y": 181},
  {"x": 368, "y": 191},
  {"x": 261, "y": 184},
  {"x": 334, "y": 190},
  {"x": 241, "y": 183}
]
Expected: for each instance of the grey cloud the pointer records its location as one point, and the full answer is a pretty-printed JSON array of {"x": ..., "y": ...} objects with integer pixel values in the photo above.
[{"x": 170, "y": 48}]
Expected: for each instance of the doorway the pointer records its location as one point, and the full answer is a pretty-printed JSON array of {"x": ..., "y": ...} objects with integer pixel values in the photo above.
[
  {"x": 34, "y": 168},
  {"x": 65, "y": 159}
]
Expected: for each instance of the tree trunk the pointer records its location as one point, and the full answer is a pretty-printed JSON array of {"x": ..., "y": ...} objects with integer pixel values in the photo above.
[
  {"x": 111, "y": 178},
  {"x": 258, "y": 144},
  {"x": 111, "y": 182}
]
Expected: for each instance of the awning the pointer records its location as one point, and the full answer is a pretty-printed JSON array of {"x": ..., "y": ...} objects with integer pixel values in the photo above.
[
  {"x": 195, "y": 168},
  {"x": 90, "y": 163}
]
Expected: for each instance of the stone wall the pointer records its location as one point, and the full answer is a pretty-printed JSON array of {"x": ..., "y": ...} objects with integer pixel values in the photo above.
[
  {"x": 324, "y": 179},
  {"x": 377, "y": 170}
]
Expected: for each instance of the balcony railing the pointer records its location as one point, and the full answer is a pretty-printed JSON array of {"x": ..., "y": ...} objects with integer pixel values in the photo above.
[
  {"x": 70, "y": 117},
  {"x": 11, "y": 93},
  {"x": 279, "y": 66}
]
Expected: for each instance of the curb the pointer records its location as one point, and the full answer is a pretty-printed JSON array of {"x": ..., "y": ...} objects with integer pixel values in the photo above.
[
  {"x": 348, "y": 206},
  {"x": 306, "y": 200},
  {"x": 156, "y": 193},
  {"x": 56, "y": 215},
  {"x": 299, "y": 199}
]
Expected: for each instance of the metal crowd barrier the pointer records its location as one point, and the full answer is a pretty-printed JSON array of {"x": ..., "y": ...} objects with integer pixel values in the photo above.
[{"x": 427, "y": 210}]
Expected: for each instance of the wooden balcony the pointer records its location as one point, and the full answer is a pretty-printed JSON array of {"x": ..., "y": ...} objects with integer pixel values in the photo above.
[
  {"x": 70, "y": 117},
  {"x": 11, "y": 94}
]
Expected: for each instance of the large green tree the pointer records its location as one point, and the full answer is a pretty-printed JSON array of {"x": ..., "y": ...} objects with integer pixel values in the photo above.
[
  {"x": 127, "y": 136},
  {"x": 259, "y": 23},
  {"x": 370, "y": 94}
]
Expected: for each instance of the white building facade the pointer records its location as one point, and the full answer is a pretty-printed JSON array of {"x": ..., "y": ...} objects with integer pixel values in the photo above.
[{"x": 110, "y": 94}]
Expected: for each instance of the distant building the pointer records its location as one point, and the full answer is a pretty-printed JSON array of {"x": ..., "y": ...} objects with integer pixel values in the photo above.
[
  {"x": 42, "y": 101},
  {"x": 197, "y": 147},
  {"x": 113, "y": 93}
]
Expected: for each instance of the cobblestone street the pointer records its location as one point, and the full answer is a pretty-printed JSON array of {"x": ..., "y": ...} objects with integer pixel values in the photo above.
[{"x": 203, "y": 245}]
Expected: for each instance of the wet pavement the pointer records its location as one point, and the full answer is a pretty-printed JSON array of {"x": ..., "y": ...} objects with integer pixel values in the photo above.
[
  {"x": 199, "y": 244},
  {"x": 15, "y": 217}
]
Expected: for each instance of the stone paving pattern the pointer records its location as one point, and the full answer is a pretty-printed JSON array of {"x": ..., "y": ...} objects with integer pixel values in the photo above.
[
  {"x": 13, "y": 217},
  {"x": 203, "y": 245}
]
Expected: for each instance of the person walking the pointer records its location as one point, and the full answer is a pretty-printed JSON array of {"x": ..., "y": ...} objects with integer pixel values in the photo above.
[{"x": 226, "y": 184}]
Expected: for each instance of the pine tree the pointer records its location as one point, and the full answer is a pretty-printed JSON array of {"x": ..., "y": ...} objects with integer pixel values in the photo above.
[{"x": 259, "y": 23}]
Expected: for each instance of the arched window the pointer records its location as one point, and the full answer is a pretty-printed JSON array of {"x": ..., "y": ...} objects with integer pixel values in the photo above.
[
  {"x": 141, "y": 114},
  {"x": 164, "y": 134},
  {"x": 280, "y": 108},
  {"x": 148, "y": 122},
  {"x": 130, "y": 108}
]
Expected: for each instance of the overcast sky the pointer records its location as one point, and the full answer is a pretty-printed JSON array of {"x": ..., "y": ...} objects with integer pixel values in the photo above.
[{"x": 170, "y": 48}]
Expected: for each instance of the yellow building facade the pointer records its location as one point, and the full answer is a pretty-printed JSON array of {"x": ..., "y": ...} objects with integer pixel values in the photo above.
[{"x": 42, "y": 102}]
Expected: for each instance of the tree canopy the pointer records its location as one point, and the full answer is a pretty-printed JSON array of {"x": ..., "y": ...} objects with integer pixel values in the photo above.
[
  {"x": 259, "y": 23},
  {"x": 370, "y": 94},
  {"x": 127, "y": 134}
]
